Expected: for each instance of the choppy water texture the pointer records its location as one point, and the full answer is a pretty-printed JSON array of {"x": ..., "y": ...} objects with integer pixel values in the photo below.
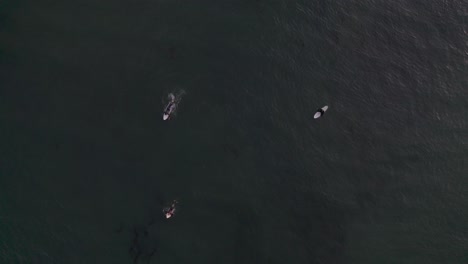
[{"x": 87, "y": 163}]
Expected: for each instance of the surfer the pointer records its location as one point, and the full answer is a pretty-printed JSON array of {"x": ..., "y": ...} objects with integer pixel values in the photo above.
[
  {"x": 320, "y": 112},
  {"x": 172, "y": 104},
  {"x": 170, "y": 107},
  {"x": 169, "y": 212}
]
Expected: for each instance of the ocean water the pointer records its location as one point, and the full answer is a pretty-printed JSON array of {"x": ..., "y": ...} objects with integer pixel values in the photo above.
[{"x": 87, "y": 164}]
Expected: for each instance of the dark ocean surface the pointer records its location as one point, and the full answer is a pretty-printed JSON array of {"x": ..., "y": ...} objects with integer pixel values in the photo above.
[{"x": 87, "y": 163}]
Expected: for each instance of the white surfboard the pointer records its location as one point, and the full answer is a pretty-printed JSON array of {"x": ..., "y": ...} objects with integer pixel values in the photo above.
[{"x": 320, "y": 112}]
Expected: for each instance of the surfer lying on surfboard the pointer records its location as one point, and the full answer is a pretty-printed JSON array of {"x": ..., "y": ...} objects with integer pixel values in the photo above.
[
  {"x": 170, "y": 107},
  {"x": 173, "y": 100},
  {"x": 170, "y": 211},
  {"x": 320, "y": 112}
]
